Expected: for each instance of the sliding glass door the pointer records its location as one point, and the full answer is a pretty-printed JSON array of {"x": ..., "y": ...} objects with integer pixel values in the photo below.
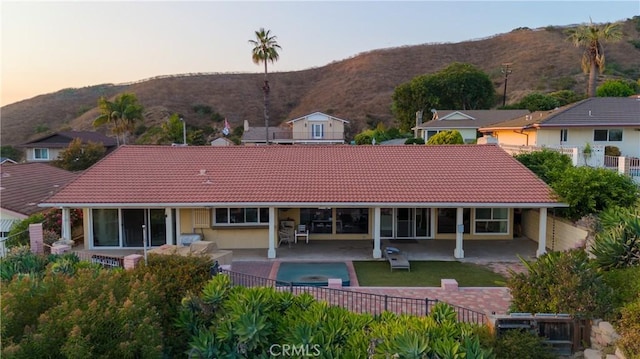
[
  {"x": 123, "y": 228},
  {"x": 405, "y": 222}
]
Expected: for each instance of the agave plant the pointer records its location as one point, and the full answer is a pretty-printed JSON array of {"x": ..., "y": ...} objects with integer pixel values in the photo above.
[{"x": 618, "y": 246}]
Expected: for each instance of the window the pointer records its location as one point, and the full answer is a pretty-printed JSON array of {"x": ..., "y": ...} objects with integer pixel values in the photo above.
[
  {"x": 563, "y": 135},
  {"x": 241, "y": 216},
  {"x": 492, "y": 220},
  {"x": 41, "y": 153},
  {"x": 447, "y": 220},
  {"x": 317, "y": 130},
  {"x": 352, "y": 220},
  {"x": 318, "y": 220},
  {"x": 614, "y": 135},
  {"x": 105, "y": 228}
]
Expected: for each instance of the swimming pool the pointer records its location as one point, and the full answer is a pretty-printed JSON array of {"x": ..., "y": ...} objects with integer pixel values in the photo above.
[{"x": 313, "y": 273}]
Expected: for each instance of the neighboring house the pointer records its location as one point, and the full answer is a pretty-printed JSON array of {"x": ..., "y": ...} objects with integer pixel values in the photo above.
[
  {"x": 222, "y": 141},
  {"x": 598, "y": 121},
  {"x": 315, "y": 128},
  {"x": 467, "y": 122},
  {"x": 6, "y": 160},
  {"x": 237, "y": 196},
  {"x": 23, "y": 186},
  {"x": 48, "y": 148}
]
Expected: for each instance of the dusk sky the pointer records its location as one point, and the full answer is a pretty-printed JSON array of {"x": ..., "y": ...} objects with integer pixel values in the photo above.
[{"x": 48, "y": 46}]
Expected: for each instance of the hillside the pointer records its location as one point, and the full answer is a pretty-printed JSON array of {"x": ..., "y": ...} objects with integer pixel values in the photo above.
[{"x": 358, "y": 89}]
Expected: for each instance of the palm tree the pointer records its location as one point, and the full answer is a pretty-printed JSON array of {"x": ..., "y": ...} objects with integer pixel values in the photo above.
[
  {"x": 123, "y": 112},
  {"x": 591, "y": 37},
  {"x": 265, "y": 49}
]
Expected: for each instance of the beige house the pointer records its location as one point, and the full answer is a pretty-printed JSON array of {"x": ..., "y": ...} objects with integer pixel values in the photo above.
[
  {"x": 242, "y": 196},
  {"x": 598, "y": 121},
  {"x": 315, "y": 128},
  {"x": 49, "y": 147}
]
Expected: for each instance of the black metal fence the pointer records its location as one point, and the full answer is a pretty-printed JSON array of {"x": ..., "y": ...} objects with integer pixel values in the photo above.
[
  {"x": 109, "y": 262},
  {"x": 354, "y": 301}
]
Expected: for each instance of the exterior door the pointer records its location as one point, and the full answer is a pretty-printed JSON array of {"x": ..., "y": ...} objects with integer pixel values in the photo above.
[{"x": 405, "y": 223}]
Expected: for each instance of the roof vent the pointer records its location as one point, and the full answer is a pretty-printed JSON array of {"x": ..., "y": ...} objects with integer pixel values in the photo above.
[
  {"x": 590, "y": 113},
  {"x": 202, "y": 172}
]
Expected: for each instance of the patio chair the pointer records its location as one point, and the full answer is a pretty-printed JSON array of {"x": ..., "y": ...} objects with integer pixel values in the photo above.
[
  {"x": 285, "y": 236},
  {"x": 397, "y": 259},
  {"x": 302, "y": 231}
]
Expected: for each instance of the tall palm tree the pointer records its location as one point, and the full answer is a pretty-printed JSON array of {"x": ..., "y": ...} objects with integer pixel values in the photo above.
[
  {"x": 122, "y": 113},
  {"x": 265, "y": 49},
  {"x": 591, "y": 37}
]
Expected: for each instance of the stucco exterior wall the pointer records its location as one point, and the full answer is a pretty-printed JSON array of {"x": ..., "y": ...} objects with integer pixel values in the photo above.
[
  {"x": 53, "y": 154},
  {"x": 333, "y": 129},
  {"x": 562, "y": 235},
  {"x": 511, "y": 137},
  {"x": 578, "y": 137}
]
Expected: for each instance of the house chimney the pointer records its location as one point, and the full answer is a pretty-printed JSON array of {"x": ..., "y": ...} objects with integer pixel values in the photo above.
[{"x": 246, "y": 125}]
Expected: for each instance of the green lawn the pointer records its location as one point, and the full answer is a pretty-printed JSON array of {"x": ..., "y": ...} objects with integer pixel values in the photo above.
[{"x": 426, "y": 274}]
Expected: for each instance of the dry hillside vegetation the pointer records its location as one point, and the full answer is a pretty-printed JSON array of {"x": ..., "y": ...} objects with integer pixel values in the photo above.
[{"x": 357, "y": 89}]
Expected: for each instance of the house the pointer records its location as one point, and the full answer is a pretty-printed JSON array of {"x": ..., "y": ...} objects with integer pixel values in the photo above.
[
  {"x": 315, "y": 128},
  {"x": 467, "y": 122},
  {"x": 47, "y": 148},
  {"x": 238, "y": 196},
  {"x": 222, "y": 141},
  {"x": 598, "y": 121},
  {"x": 23, "y": 186},
  {"x": 7, "y": 160}
]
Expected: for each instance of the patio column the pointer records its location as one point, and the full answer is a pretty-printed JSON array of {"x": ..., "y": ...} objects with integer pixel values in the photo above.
[
  {"x": 272, "y": 233},
  {"x": 542, "y": 233},
  {"x": 459, "y": 252},
  {"x": 66, "y": 224},
  {"x": 168, "y": 223},
  {"x": 376, "y": 233}
]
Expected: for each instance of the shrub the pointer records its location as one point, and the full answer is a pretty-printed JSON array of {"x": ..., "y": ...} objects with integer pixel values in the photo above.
[
  {"x": 626, "y": 282},
  {"x": 19, "y": 232},
  {"x": 590, "y": 190},
  {"x": 615, "y": 88},
  {"x": 547, "y": 164},
  {"x": 537, "y": 101},
  {"x": 521, "y": 345},
  {"x": 414, "y": 141},
  {"x": 174, "y": 276},
  {"x": 618, "y": 244},
  {"x": 560, "y": 282},
  {"x": 448, "y": 137},
  {"x": 629, "y": 328}
]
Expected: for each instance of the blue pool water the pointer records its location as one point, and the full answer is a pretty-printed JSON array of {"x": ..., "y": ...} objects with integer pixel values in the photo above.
[{"x": 312, "y": 273}]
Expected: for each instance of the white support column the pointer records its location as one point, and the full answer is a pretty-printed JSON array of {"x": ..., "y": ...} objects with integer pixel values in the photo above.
[
  {"x": 66, "y": 224},
  {"x": 272, "y": 233},
  {"x": 168, "y": 224},
  {"x": 622, "y": 165},
  {"x": 542, "y": 233},
  {"x": 459, "y": 252},
  {"x": 376, "y": 233}
]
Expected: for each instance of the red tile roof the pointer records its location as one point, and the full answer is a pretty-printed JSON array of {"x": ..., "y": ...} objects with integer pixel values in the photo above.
[
  {"x": 24, "y": 185},
  {"x": 306, "y": 174}
]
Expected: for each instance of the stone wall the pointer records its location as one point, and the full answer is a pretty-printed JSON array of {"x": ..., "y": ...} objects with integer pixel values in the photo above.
[{"x": 603, "y": 336}]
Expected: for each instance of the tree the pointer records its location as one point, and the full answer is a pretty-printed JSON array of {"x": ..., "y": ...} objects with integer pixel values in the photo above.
[
  {"x": 78, "y": 156},
  {"x": 449, "y": 137},
  {"x": 458, "y": 86},
  {"x": 122, "y": 113},
  {"x": 615, "y": 88},
  {"x": 265, "y": 49},
  {"x": 537, "y": 101},
  {"x": 547, "y": 164},
  {"x": 591, "y": 37},
  {"x": 172, "y": 129},
  {"x": 11, "y": 152}
]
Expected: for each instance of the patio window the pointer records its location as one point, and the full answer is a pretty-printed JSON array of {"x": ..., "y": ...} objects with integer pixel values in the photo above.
[
  {"x": 611, "y": 135},
  {"x": 318, "y": 220},
  {"x": 431, "y": 133},
  {"x": 105, "y": 228},
  {"x": 241, "y": 216},
  {"x": 447, "y": 220},
  {"x": 352, "y": 220},
  {"x": 41, "y": 153},
  {"x": 492, "y": 220}
]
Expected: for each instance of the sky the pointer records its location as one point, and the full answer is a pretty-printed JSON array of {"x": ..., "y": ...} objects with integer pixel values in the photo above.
[{"x": 48, "y": 46}]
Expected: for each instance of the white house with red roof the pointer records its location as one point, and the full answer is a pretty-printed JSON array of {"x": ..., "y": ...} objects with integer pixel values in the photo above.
[{"x": 238, "y": 196}]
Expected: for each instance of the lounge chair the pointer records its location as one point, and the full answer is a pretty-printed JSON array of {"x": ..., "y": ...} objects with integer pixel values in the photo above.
[{"x": 397, "y": 259}]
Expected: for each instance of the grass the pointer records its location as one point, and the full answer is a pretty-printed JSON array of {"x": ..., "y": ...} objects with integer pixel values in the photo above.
[{"x": 426, "y": 274}]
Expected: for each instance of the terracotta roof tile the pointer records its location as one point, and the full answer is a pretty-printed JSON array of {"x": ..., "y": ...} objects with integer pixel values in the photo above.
[
  {"x": 300, "y": 174},
  {"x": 25, "y": 185}
]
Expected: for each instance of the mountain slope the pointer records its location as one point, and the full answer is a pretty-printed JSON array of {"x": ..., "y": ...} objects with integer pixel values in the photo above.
[{"x": 357, "y": 89}]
